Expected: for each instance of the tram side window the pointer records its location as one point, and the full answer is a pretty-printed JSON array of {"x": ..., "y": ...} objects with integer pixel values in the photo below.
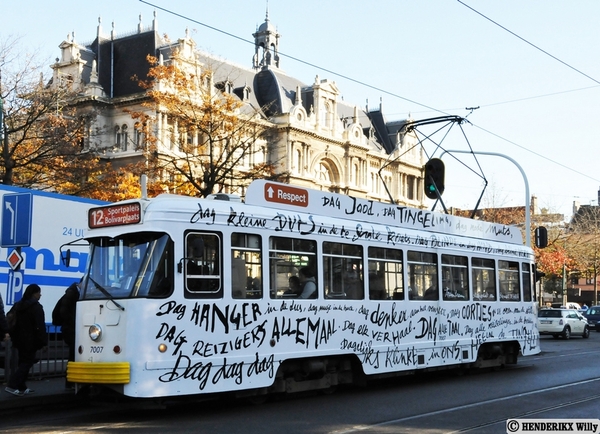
[
  {"x": 527, "y": 282},
  {"x": 343, "y": 271},
  {"x": 286, "y": 257},
  {"x": 202, "y": 265},
  {"x": 455, "y": 277},
  {"x": 508, "y": 275},
  {"x": 385, "y": 274},
  {"x": 422, "y": 276},
  {"x": 484, "y": 279},
  {"x": 246, "y": 267}
]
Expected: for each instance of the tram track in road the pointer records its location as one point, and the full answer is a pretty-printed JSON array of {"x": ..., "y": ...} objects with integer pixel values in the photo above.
[
  {"x": 462, "y": 412},
  {"x": 485, "y": 416},
  {"x": 538, "y": 412},
  {"x": 452, "y": 401},
  {"x": 549, "y": 355}
]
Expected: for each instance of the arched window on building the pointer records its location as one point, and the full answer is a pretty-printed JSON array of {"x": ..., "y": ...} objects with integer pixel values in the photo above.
[
  {"x": 186, "y": 140},
  {"x": 171, "y": 134},
  {"x": 190, "y": 139},
  {"x": 298, "y": 161},
  {"x": 200, "y": 140},
  {"x": 124, "y": 138},
  {"x": 410, "y": 187},
  {"x": 117, "y": 137},
  {"x": 327, "y": 115},
  {"x": 387, "y": 181},
  {"x": 261, "y": 157},
  {"x": 138, "y": 139},
  {"x": 322, "y": 173},
  {"x": 172, "y": 143},
  {"x": 401, "y": 186}
]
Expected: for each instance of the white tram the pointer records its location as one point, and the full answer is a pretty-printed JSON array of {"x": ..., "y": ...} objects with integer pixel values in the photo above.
[{"x": 187, "y": 296}]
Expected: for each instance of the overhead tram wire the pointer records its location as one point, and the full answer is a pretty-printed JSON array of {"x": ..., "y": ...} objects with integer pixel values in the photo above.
[
  {"x": 553, "y": 57},
  {"x": 529, "y": 43},
  {"x": 362, "y": 83},
  {"x": 512, "y": 101},
  {"x": 535, "y": 153},
  {"x": 388, "y": 92}
]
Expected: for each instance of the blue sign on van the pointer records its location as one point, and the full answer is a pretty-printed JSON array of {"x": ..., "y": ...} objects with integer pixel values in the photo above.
[
  {"x": 17, "y": 213},
  {"x": 14, "y": 287}
]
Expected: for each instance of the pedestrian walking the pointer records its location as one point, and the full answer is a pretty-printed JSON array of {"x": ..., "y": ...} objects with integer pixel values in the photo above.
[
  {"x": 63, "y": 315},
  {"x": 3, "y": 323},
  {"x": 28, "y": 336},
  {"x": 4, "y": 335}
]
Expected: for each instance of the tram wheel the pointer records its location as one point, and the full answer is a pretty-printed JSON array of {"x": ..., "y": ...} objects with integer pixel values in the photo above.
[
  {"x": 462, "y": 370},
  {"x": 330, "y": 390},
  {"x": 258, "y": 399}
]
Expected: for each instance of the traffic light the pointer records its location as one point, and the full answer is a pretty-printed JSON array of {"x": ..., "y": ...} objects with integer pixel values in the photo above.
[
  {"x": 434, "y": 178},
  {"x": 541, "y": 237}
]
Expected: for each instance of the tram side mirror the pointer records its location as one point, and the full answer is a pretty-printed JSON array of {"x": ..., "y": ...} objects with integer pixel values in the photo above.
[
  {"x": 537, "y": 273},
  {"x": 66, "y": 257},
  {"x": 541, "y": 237}
]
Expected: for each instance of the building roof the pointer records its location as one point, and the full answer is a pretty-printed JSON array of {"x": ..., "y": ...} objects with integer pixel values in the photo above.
[{"x": 265, "y": 88}]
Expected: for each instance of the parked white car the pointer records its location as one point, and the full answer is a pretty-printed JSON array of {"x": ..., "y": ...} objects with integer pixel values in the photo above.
[
  {"x": 569, "y": 305},
  {"x": 562, "y": 322}
]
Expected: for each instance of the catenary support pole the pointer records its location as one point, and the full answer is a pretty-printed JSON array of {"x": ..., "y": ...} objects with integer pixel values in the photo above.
[{"x": 527, "y": 198}]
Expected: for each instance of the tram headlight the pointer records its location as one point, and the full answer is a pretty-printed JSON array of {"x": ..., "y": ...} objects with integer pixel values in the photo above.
[{"x": 95, "y": 332}]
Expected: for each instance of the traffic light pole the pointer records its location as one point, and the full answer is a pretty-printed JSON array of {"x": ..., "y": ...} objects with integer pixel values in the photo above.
[{"x": 527, "y": 198}]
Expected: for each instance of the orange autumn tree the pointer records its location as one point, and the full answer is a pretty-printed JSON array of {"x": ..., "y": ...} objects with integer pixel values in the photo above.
[
  {"x": 42, "y": 135},
  {"x": 552, "y": 260},
  {"x": 113, "y": 185},
  {"x": 212, "y": 141},
  {"x": 583, "y": 243}
]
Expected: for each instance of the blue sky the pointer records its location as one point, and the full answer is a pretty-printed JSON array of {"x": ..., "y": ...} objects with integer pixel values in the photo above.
[{"x": 426, "y": 58}]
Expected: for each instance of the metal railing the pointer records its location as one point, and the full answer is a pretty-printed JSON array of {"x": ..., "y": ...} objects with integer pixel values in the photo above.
[{"x": 52, "y": 361}]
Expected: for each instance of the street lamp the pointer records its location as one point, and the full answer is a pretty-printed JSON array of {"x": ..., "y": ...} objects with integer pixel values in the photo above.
[{"x": 527, "y": 198}]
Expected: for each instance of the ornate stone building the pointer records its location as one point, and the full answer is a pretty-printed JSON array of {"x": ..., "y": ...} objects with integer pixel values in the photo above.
[{"x": 320, "y": 139}]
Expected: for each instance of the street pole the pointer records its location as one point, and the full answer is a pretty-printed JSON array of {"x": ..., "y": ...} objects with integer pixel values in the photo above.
[
  {"x": 527, "y": 198},
  {"x": 564, "y": 286}
]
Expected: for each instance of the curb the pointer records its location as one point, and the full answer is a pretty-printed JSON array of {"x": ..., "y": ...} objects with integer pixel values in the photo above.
[{"x": 47, "y": 401}]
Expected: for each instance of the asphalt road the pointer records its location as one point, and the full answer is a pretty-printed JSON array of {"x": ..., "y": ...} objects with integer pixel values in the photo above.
[{"x": 562, "y": 382}]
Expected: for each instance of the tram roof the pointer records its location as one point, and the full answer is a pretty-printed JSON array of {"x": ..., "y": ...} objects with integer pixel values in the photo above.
[
  {"x": 290, "y": 201},
  {"x": 283, "y": 196}
]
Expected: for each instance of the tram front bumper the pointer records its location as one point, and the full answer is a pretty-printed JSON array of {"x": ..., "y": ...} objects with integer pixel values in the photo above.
[{"x": 99, "y": 373}]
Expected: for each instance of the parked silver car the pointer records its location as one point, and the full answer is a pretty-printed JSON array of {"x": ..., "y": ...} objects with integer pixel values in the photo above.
[{"x": 562, "y": 322}]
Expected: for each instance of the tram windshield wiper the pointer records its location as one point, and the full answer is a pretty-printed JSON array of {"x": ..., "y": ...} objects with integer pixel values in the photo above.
[{"x": 106, "y": 293}]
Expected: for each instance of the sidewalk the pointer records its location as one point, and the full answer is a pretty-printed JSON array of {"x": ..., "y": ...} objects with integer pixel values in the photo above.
[{"x": 48, "y": 393}]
